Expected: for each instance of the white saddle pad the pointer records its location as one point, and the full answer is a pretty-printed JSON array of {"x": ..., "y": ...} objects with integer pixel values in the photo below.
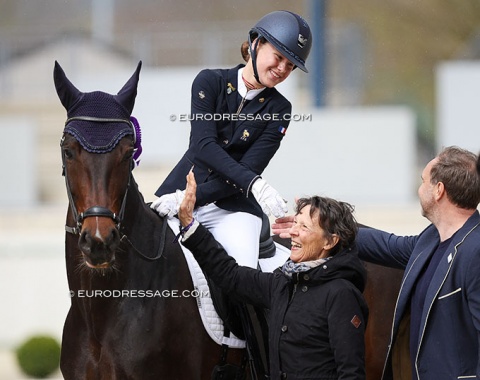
[{"x": 212, "y": 322}]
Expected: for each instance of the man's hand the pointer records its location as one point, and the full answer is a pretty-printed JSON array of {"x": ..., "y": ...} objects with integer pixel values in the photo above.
[{"x": 282, "y": 226}]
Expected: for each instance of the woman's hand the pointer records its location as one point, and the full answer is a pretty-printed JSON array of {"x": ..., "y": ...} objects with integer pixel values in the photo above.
[
  {"x": 185, "y": 212},
  {"x": 282, "y": 226}
]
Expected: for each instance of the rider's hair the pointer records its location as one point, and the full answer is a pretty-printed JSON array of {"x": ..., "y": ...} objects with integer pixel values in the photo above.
[{"x": 244, "y": 48}]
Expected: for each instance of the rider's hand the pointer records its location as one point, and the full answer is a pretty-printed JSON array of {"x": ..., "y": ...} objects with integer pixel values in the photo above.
[
  {"x": 269, "y": 199},
  {"x": 282, "y": 226},
  {"x": 168, "y": 204}
]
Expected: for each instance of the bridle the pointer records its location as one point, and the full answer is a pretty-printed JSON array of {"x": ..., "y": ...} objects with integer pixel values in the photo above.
[
  {"x": 103, "y": 211},
  {"x": 94, "y": 210}
]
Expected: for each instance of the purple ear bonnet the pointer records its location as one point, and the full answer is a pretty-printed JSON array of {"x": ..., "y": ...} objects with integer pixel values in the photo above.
[
  {"x": 96, "y": 119},
  {"x": 98, "y": 136}
]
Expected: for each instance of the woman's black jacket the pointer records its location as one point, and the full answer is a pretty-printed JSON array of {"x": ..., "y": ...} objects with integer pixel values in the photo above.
[{"x": 316, "y": 319}]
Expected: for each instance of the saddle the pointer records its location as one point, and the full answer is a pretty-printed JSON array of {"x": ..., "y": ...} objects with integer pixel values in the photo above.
[
  {"x": 267, "y": 245},
  {"x": 246, "y": 323}
]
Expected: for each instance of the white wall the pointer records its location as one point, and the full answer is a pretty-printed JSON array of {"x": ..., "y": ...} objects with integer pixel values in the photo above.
[
  {"x": 359, "y": 155},
  {"x": 33, "y": 283},
  {"x": 458, "y": 104},
  {"x": 18, "y": 148}
]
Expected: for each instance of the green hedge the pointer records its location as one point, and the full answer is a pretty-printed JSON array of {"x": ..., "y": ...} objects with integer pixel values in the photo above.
[{"x": 39, "y": 356}]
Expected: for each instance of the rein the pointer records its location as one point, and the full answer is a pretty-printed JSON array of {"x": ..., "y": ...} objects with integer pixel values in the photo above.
[{"x": 159, "y": 254}]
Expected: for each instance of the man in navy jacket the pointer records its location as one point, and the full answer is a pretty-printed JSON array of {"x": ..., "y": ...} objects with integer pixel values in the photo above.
[
  {"x": 440, "y": 292},
  {"x": 436, "y": 326}
]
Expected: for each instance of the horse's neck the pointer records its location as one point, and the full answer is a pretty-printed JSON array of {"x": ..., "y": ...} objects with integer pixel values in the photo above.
[{"x": 138, "y": 214}]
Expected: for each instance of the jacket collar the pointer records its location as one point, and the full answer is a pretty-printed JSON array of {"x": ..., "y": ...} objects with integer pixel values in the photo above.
[
  {"x": 444, "y": 266},
  {"x": 254, "y": 106},
  {"x": 345, "y": 265},
  {"x": 448, "y": 258},
  {"x": 231, "y": 84},
  {"x": 242, "y": 87}
]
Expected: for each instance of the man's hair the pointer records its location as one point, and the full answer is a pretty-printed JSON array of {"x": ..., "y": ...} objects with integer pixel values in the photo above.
[
  {"x": 334, "y": 217},
  {"x": 478, "y": 164},
  {"x": 458, "y": 170}
]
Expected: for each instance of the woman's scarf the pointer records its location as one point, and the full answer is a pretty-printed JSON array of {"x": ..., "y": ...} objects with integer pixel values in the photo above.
[{"x": 291, "y": 267}]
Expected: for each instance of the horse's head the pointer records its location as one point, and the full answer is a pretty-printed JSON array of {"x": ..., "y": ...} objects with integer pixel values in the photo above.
[{"x": 98, "y": 146}]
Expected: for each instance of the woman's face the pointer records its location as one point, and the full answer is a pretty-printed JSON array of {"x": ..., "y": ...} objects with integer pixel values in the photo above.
[
  {"x": 273, "y": 68},
  {"x": 309, "y": 240}
]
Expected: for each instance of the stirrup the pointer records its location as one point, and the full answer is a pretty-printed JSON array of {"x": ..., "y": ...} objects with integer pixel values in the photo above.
[{"x": 227, "y": 371}]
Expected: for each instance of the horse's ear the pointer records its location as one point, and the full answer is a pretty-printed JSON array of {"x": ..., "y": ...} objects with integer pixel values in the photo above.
[
  {"x": 126, "y": 96},
  {"x": 66, "y": 91}
]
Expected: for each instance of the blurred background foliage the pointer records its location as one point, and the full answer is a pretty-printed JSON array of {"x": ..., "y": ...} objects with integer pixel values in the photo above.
[{"x": 405, "y": 41}]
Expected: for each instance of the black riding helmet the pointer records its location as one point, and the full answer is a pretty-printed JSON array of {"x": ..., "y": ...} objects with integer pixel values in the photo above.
[{"x": 287, "y": 32}]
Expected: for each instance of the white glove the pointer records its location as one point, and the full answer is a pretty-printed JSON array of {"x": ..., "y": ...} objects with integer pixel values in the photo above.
[
  {"x": 269, "y": 199},
  {"x": 168, "y": 204}
]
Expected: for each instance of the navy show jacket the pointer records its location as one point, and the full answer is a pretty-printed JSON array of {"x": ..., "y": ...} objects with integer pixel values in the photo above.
[
  {"x": 229, "y": 150},
  {"x": 450, "y": 324}
]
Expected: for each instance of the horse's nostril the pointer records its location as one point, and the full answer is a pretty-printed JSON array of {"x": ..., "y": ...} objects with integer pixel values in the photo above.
[
  {"x": 112, "y": 240},
  {"x": 85, "y": 243},
  {"x": 114, "y": 237},
  {"x": 97, "y": 247}
]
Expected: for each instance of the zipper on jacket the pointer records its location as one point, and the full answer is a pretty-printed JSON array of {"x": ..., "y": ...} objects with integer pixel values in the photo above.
[{"x": 240, "y": 107}]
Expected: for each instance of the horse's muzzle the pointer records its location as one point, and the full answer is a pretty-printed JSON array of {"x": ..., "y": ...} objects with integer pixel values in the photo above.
[{"x": 98, "y": 243}]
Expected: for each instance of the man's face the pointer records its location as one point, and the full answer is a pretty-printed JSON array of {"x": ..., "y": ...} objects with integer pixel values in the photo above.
[{"x": 426, "y": 191}]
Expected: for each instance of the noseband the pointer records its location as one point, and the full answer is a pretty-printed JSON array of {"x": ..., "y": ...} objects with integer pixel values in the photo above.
[{"x": 94, "y": 210}]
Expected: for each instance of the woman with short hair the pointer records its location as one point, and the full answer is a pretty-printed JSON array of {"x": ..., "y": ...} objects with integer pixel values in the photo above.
[{"x": 316, "y": 313}]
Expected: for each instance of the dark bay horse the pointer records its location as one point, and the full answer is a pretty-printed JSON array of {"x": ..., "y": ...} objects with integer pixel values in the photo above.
[
  {"x": 130, "y": 315},
  {"x": 381, "y": 291}
]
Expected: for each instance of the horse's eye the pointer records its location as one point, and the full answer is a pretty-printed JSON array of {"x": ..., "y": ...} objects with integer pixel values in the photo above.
[
  {"x": 128, "y": 155},
  {"x": 68, "y": 153}
]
